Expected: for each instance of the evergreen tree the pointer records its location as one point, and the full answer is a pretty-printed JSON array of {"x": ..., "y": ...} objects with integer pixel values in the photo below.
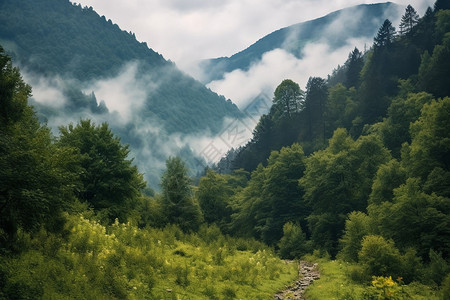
[
  {"x": 409, "y": 20},
  {"x": 213, "y": 194},
  {"x": 354, "y": 65},
  {"x": 179, "y": 205},
  {"x": 315, "y": 100},
  {"x": 385, "y": 35}
]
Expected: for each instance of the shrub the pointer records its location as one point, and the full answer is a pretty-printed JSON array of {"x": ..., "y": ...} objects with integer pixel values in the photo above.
[
  {"x": 293, "y": 243},
  {"x": 384, "y": 288},
  {"x": 445, "y": 288},
  {"x": 438, "y": 268},
  {"x": 358, "y": 274},
  {"x": 356, "y": 227},
  {"x": 380, "y": 257}
]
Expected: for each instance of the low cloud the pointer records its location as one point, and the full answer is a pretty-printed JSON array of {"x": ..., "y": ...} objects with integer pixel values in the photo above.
[
  {"x": 275, "y": 66},
  {"x": 46, "y": 91},
  {"x": 124, "y": 94}
]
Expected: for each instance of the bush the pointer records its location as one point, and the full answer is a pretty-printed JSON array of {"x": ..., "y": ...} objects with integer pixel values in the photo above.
[
  {"x": 438, "y": 268},
  {"x": 380, "y": 257},
  {"x": 356, "y": 227},
  {"x": 384, "y": 288},
  {"x": 358, "y": 274},
  {"x": 293, "y": 243},
  {"x": 445, "y": 288}
]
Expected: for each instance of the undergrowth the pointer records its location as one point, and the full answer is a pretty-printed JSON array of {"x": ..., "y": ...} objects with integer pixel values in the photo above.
[{"x": 124, "y": 262}]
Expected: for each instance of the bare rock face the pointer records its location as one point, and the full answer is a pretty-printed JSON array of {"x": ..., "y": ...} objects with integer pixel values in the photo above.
[{"x": 308, "y": 272}]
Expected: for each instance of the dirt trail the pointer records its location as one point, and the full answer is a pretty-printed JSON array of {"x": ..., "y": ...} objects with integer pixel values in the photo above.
[{"x": 308, "y": 272}]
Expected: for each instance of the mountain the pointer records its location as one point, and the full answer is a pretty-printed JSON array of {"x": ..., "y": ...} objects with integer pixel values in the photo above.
[
  {"x": 334, "y": 29},
  {"x": 71, "y": 56},
  {"x": 52, "y": 37}
]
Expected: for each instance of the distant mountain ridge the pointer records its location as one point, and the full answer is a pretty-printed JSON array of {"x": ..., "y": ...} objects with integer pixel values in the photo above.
[{"x": 362, "y": 21}]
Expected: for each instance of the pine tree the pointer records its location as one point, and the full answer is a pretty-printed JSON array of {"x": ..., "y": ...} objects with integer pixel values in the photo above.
[
  {"x": 354, "y": 65},
  {"x": 409, "y": 20},
  {"x": 385, "y": 35},
  {"x": 179, "y": 205}
]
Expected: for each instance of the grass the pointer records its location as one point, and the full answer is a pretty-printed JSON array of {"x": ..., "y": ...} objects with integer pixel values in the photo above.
[
  {"x": 335, "y": 284},
  {"x": 124, "y": 262}
]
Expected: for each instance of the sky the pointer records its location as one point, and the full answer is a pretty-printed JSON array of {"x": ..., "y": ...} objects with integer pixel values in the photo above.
[{"x": 185, "y": 31}]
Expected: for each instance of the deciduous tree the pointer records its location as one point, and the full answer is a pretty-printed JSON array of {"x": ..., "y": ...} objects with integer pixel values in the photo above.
[{"x": 109, "y": 180}]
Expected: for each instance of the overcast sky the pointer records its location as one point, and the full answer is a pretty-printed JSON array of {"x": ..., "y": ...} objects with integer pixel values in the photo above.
[{"x": 184, "y": 31}]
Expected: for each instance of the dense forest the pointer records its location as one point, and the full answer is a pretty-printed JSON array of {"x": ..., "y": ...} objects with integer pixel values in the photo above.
[{"x": 352, "y": 173}]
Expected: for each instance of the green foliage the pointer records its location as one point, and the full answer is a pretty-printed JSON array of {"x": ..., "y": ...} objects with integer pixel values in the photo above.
[
  {"x": 430, "y": 140},
  {"x": 288, "y": 98},
  {"x": 213, "y": 194},
  {"x": 337, "y": 181},
  {"x": 384, "y": 288},
  {"x": 380, "y": 257},
  {"x": 108, "y": 181},
  {"x": 148, "y": 212},
  {"x": 385, "y": 35},
  {"x": 354, "y": 65},
  {"x": 272, "y": 197},
  {"x": 403, "y": 111},
  {"x": 315, "y": 101},
  {"x": 178, "y": 203},
  {"x": 416, "y": 219},
  {"x": 433, "y": 72},
  {"x": 293, "y": 243},
  {"x": 336, "y": 283},
  {"x": 437, "y": 269},
  {"x": 389, "y": 176},
  {"x": 122, "y": 261},
  {"x": 34, "y": 182},
  {"x": 445, "y": 289},
  {"x": 409, "y": 20},
  {"x": 340, "y": 108},
  {"x": 356, "y": 227}
]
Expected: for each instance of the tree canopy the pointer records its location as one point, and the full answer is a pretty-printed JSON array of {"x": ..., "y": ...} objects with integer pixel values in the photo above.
[{"x": 109, "y": 181}]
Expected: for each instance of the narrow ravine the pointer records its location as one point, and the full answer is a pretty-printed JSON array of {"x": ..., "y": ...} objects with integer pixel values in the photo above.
[{"x": 308, "y": 272}]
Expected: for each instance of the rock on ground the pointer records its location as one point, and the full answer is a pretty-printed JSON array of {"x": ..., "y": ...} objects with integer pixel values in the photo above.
[{"x": 308, "y": 272}]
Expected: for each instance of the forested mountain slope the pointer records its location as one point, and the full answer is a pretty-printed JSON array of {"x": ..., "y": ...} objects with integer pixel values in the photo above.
[
  {"x": 358, "y": 94},
  {"x": 72, "y": 56},
  {"x": 333, "y": 29}
]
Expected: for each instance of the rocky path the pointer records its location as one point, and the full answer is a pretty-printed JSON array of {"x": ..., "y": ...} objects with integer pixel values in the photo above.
[{"x": 308, "y": 272}]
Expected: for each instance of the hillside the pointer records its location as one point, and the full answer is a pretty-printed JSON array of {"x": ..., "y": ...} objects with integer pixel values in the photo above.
[
  {"x": 82, "y": 65},
  {"x": 57, "y": 38},
  {"x": 334, "y": 29}
]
